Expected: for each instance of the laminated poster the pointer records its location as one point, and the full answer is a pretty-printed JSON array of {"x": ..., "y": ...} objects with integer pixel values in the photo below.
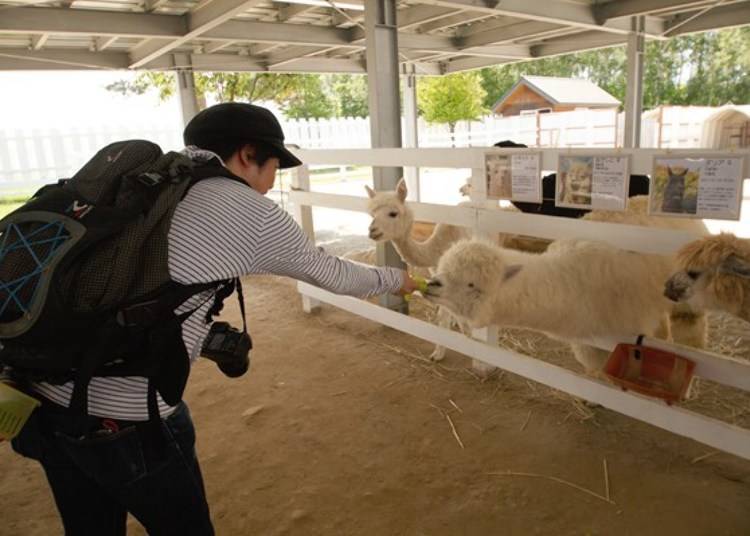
[
  {"x": 515, "y": 177},
  {"x": 593, "y": 182},
  {"x": 695, "y": 186}
]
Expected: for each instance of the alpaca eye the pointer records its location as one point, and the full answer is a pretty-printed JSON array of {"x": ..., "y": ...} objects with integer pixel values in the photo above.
[
  {"x": 471, "y": 285},
  {"x": 693, "y": 274},
  {"x": 393, "y": 214}
]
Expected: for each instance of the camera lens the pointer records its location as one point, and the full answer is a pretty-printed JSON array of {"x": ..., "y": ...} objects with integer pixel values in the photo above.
[{"x": 235, "y": 368}]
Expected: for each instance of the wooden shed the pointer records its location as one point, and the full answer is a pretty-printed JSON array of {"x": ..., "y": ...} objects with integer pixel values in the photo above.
[{"x": 552, "y": 94}]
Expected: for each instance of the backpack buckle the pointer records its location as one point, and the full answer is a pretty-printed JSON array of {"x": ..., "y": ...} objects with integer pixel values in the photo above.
[
  {"x": 140, "y": 315},
  {"x": 150, "y": 178}
]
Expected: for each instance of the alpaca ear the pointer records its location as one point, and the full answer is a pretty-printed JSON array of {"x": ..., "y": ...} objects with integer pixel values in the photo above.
[
  {"x": 401, "y": 190},
  {"x": 370, "y": 191},
  {"x": 511, "y": 271},
  {"x": 669, "y": 170},
  {"x": 735, "y": 265}
]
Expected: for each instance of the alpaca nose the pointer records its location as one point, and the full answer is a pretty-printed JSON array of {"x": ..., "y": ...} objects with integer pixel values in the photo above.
[
  {"x": 672, "y": 291},
  {"x": 374, "y": 233},
  {"x": 434, "y": 283}
]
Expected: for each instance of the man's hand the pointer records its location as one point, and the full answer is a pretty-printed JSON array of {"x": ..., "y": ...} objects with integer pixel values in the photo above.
[{"x": 409, "y": 286}]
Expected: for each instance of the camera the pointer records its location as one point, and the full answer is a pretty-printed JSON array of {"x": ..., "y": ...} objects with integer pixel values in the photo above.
[{"x": 229, "y": 348}]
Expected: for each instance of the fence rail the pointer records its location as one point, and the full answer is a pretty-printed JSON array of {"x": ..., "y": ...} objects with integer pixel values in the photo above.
[
  {"x": 30, "y": 157},
  {"x": 483, "y": 221}
]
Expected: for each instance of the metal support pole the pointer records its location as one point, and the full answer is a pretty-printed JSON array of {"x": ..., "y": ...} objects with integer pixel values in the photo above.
[
  {"x": 411, "y": 128},
  {"x": 385, "y": 110},
  {"x": 634, "y": 90},
  {"x": 185, "y": 87}
]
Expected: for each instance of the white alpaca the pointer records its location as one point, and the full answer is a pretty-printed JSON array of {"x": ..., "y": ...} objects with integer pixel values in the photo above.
[
  {"x": 576, "y": 290},
  {"x": 392, "y": 219},
  {"x": 713, "y": 274}
]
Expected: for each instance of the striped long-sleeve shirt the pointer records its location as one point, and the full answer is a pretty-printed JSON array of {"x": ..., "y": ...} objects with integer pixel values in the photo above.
[{"x": 221, "y": 230}]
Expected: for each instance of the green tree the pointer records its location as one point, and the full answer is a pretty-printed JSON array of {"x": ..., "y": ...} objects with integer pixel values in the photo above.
[
  {"x": 709, "y": 69},
  {"x": 309, "y": 100},
  {"x": 350, "y": 95},
  {"x": 453, "y": 98},
  {"x": 251, "y": 87}
]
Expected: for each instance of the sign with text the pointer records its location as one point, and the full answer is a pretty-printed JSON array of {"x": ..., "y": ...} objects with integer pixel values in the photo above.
[
  {"x": 694, "y": 186},
  {"x": 593, "y": 182},
  {"x": 515, "y": 177}
]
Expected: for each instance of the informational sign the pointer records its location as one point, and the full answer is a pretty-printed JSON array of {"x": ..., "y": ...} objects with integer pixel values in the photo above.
[
  {"x": 593, "y": 182},
  {"x": 515, "y": 177},
  {"x": 696, "y": 186}
]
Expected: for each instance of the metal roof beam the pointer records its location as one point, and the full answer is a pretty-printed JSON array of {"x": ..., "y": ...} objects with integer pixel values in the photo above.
[
  {"x": 152, "y": 5},
  {"x": 629, "y": 8},
  {"x": 289, "y": 55},
  {"x": 421, "y": 14},
  {"x": 288, "y": 11},
  {"x": 206, "y": 17},
  {"x": 37, "y": 42},
  {"x": 273, "y": 32},
  {"x": 85, "y": 22},
  {"x": 346, "y": 16},
  {"x": 232, "y": 62},
  {"x": 577, "y": 42},
  {"x": 103, "y": 43},
  {"x": 718, "y": 17},
  {"x": 468, "y": 64},
  {"x": 461, "y": 17},
  {"x": 48, "y": 59},
  {"x": 506, "y": 34},
  {"x": 215, "y": 47},
  {"x": 551, "y": 11}
]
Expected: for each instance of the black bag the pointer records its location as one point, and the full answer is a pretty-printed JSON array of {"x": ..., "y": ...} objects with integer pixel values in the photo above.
[{"x": 84, "y": 279}]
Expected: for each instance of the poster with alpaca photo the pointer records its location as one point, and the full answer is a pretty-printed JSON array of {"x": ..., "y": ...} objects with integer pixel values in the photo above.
[
  {"x": 515, "y": 177},
  {"x": 696, "y": 186},
  {"x": 589, "y": 182}
]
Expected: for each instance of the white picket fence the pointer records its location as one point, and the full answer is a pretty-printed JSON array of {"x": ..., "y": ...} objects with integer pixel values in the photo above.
[
  {"x": 32, "y": 157},
  {"x": 669, "y": 127}
]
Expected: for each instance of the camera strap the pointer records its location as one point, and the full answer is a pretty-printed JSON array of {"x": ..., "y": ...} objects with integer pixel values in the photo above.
[{"x": 241, "y": 299}]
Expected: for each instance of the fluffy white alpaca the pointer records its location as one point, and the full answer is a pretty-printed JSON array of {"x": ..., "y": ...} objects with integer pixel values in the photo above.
[
  {"x": 575, "y": 290},
  {"x": 713, "y": 273},
  {"x": 392, "y": 220}
]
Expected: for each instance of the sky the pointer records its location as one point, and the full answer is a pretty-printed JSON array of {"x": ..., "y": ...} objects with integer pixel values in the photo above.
[{"x": 73, "y": 98}]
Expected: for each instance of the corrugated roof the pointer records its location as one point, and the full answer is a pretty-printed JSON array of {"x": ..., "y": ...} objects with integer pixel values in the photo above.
[{"x": 568, "y": 91}]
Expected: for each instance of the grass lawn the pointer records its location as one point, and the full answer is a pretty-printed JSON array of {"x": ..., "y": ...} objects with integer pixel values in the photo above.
[{"x": 8, "y": 207}]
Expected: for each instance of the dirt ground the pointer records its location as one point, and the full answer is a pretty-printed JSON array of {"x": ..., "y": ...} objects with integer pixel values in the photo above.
[{"x": 343, "y": 428}]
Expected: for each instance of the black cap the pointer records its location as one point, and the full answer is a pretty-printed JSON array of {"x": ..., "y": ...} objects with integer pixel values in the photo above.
[{"x": 239, "y": 121}]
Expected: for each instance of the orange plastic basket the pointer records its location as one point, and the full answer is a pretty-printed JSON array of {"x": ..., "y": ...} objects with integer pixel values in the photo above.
[{"x": 650, "y": 371}]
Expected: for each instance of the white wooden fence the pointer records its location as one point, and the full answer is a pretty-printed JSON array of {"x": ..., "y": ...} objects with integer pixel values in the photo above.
[
  {"x": 32, "y": 157},
  {"x": 720, "y": 369},
  {"x": 667, "y": 127}
]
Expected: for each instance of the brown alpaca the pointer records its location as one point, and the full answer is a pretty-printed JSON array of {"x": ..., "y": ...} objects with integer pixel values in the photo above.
[{"x": 713, "y": 274}]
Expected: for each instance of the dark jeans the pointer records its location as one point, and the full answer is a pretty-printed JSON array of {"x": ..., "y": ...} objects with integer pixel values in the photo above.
[{"x": 99, "y": 470}]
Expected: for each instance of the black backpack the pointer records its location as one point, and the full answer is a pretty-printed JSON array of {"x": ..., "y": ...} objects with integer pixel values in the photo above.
[{"x": 84, "y": 281}]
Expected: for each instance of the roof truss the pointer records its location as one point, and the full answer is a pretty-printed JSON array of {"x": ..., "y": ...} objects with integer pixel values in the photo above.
[{"x": 441, "y": 36}]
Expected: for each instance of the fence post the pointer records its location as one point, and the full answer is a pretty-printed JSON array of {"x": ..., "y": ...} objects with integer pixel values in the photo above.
[
  {"x": 304, "y": 217},
  {"x": 487, "y": 335}
]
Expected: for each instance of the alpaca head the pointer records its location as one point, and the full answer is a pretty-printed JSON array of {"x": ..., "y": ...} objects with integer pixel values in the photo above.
[
  {"x": 677, "y": 172},
  {"x": 391, "y": 218},
  {"x": 468, "y": 277},
  {"x": 577, "y": 183},
  {"x": 713, "y": 273},
  {"x": 465, "y": 190}
]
